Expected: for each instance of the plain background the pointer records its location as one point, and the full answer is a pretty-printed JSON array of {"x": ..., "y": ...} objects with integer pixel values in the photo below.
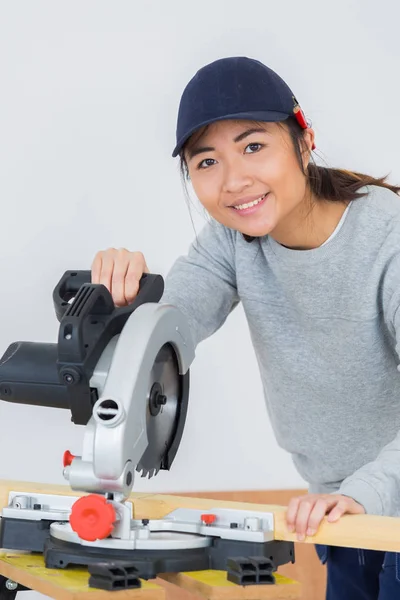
[{"x": 88, "y": 102}]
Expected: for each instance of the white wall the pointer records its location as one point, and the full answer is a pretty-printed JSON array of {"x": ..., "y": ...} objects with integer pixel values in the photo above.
[{"x": 88, "y": 101}]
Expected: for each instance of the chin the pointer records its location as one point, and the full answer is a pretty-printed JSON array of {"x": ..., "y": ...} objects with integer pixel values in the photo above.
[{"x": 257, "y": 231}]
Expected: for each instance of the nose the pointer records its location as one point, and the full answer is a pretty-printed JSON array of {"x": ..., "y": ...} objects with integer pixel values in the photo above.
[{"x": 236, "y": 176}]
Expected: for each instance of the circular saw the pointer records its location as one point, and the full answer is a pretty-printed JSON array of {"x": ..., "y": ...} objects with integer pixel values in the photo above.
[{"x": 122, "y": 372}]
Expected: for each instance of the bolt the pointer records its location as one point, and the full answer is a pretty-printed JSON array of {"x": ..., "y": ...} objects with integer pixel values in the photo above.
[
  {"x": 70, "y": 375},
  {"x": 11, "y": 585},
  {"x": 161, "y": 400}
]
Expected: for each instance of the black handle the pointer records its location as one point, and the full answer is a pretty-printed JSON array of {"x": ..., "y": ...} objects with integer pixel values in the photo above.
[
  {"x": 67, "y": 288},
  {"x": 151, "y": 288},
  {"x": 87, "y": 324}
]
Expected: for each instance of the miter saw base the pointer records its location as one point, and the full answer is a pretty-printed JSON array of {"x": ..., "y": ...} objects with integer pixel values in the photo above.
[{"x": 239, "y": 542}]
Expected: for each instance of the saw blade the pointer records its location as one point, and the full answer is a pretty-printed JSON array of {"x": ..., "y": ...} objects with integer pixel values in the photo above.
[{"x": 162, "y": 410}]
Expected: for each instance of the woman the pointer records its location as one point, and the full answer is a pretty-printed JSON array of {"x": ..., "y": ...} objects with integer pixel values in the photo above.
[{"x": 313, "y": 255}]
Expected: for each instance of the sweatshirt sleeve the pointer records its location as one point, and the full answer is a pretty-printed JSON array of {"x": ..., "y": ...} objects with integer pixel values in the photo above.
[
  {"x": 376, "y": 485},
  {"x": 202, "y": 284}
]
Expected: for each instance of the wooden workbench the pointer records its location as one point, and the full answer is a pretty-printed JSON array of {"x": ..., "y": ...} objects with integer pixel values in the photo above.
[{"x": 72, "y": 584}]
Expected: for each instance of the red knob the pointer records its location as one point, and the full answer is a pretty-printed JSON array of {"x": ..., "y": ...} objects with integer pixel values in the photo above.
[
  {"x": 68, "y": 458},
  {"x": 208, "y": 519},
  {"x": 92, "y": 518}
]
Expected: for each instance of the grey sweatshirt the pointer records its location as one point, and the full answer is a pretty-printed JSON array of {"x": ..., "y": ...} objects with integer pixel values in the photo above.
[{"x": 325, "y": 326}]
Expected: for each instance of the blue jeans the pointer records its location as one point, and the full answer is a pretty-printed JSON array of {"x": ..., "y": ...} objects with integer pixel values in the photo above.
[{"x": 355, "y": 574}]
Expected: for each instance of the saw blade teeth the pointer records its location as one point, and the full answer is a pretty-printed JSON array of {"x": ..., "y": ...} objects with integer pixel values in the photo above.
[{"x": 147, "y": 472}]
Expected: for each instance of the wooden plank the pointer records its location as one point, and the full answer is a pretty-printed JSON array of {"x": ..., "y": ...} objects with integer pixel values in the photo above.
[
  {"x": 358, "y": 531},
  {"x": 66, "y": 584},
  {"x": 370, "y": 532},
  {"x": 214, "y": 585}
]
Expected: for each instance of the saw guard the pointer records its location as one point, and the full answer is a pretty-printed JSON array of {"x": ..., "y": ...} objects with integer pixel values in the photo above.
[{"x": 116, "y": 435}]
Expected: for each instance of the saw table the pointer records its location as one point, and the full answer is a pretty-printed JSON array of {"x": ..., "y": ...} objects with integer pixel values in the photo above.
[
  {"x": 28, "y": 570},
  {"x": 363, "y": 531}
]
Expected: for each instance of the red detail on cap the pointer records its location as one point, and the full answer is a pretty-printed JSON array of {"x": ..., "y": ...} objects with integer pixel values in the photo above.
[
  {"x": 68, "y": 458},
  {"x": 92, "y": 518},
  {"x": 208, "y": 519},
  {"x": 300, "y": 118}
]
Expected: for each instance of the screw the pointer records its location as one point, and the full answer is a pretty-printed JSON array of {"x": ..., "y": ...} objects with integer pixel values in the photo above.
[
  {"x": 70, "y": 375},
  {"x": 161, "y": 400},
  {"x": 11, "y": 585}
]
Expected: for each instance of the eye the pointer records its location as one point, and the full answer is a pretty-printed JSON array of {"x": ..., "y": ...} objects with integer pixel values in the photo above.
[
  {"x": 207, "y": 162},
  {"x": 253, "y": 147}
]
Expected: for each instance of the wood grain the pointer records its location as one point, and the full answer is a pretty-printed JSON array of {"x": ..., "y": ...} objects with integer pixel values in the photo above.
[
  {"x": 213, "y": 585},
  {"x": 64, "y": 584}
]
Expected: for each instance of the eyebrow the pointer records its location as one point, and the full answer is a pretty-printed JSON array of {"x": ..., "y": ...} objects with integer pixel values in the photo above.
[
  {"x": 248, "y": 132},
  {"x": 201, "y": 149}
]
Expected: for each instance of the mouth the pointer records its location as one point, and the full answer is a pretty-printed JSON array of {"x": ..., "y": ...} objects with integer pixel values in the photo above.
[{"x": 249, "y": 207}]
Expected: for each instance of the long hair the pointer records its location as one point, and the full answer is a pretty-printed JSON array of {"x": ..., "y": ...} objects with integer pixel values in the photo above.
[{"x": 329, "y": 183}]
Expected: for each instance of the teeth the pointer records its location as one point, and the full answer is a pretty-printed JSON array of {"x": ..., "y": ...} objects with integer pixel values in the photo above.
[{"x": 249, "y": 204}]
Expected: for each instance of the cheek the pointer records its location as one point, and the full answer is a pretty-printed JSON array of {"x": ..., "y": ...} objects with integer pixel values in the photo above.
[
  {"x": 206, "y": 191},
  {"x": 283, "y": 175}
]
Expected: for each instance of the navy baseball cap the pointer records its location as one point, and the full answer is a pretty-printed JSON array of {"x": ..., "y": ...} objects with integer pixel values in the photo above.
[{"x": 234, "y": 88}]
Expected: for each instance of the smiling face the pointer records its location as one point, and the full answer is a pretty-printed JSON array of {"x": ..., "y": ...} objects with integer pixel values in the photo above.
[{"x": 247, "y": 175}]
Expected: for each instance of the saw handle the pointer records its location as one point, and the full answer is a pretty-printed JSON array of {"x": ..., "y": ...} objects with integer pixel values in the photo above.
[
  {"x": 89, "y": 320},
  {"x": 72, "y": 281}
]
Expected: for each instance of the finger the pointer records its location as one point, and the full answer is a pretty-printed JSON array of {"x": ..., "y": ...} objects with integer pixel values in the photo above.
[
  {"x": 121, "y": 263},
  {"x": 96, "y": 267},
  {"x": 107, "y": 268},
  {"x": 137, "y": 266},
  {"x": 291, "y": 512},
  {"x": 342, "y": 507},
  {"x": 317, "y": 514},
  {"x": 303, "y": 515}
]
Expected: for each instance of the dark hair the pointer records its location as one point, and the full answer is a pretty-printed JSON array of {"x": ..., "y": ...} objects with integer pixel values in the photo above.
[
  {"x": 329, "y": 183},
  {"x": 336, "y": 185}
]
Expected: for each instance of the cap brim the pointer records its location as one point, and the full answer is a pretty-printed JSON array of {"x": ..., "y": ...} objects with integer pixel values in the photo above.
[{"x": 266, "y": 116}]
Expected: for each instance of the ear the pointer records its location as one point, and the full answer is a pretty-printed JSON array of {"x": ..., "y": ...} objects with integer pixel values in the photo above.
[{"x": 309, "y": 141}]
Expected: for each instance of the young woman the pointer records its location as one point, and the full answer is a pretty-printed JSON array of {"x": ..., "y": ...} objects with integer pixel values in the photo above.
[{"x": 313, "y": 255}]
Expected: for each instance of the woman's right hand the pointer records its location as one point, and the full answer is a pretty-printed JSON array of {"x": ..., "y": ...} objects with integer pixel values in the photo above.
[{"x": 120, "y": 271}]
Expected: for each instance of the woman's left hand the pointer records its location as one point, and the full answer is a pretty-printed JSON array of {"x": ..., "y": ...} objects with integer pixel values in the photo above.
[{"x": 305, "y": 513}]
